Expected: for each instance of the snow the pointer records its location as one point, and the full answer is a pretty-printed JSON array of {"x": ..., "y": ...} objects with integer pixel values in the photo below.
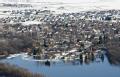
[
  {"x": 36, "y": 1},
  {"x": 31, "y": 22},
  {"x": 69, "y": 5},
  {"x": 13, "y": 56},
  {"x": 62, "y": 1},
  {"x": 75, "y": 5},
  {"x": 73, "y": 50}
]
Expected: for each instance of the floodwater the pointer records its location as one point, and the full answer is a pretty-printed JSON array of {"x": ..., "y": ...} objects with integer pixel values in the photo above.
[{"x": 96, "y": 68}]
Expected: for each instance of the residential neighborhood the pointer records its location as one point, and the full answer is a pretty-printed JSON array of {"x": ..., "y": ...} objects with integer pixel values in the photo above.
[{"x": 48, "y": 38}]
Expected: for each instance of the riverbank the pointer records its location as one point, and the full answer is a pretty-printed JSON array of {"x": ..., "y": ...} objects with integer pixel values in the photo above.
[
  {"x": 114, "y": 52},
  {"x": 7, "y": 70}
]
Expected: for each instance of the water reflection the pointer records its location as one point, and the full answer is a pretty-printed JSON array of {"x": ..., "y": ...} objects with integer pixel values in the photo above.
[
  {"x": 88, "y": 65},
  {"x": 84, "y": 58},
  {"x": 47, "y": 63}
]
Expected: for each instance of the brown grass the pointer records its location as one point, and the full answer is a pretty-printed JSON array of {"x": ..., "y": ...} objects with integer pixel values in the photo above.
[
  {"x": 7, "y": 70},
  {"x": 114, "y": 52}
]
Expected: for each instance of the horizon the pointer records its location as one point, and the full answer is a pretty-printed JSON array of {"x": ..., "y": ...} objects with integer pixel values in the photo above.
[{"x": 63, "y": 1}]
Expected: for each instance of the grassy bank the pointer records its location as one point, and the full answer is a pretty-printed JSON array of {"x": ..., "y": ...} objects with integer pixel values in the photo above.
[
  {"x": 7, "y": 70},
  {"x": 114, "y": 52}
]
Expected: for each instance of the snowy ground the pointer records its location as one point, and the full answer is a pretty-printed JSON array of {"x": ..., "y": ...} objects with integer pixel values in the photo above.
[
  {"x": 72, "y": 6},
  {"x": 63, "y": 6}
]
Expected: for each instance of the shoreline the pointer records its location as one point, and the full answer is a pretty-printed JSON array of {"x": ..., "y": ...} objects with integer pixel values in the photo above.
[{"x": 7, "y": 70}]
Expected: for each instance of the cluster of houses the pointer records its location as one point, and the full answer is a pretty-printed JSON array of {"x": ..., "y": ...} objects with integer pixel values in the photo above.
[
  {"x": 23, "y": 15},
  {"x": 72, "y": 56},
  {"x": 19, "y": 16},
  {"x": 62, "y": 33}
]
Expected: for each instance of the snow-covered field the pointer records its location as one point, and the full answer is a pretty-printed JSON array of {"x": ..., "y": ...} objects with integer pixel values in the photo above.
[
  {"x": 63, "y": 1},
  {"x": 61, "y": 6},
  {"x": 68, "y": 4}
]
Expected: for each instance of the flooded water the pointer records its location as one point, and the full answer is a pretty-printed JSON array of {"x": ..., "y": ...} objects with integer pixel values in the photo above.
[{"x": 96, "y": 68}]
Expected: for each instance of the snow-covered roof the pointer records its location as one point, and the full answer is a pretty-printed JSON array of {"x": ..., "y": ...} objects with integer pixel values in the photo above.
[{"x": 31, "y": 22}]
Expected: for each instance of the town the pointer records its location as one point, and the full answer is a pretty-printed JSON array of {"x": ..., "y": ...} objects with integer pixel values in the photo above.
[
  {"x": 47, "y": 35},
  {"x": 59, "y": 38}
]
